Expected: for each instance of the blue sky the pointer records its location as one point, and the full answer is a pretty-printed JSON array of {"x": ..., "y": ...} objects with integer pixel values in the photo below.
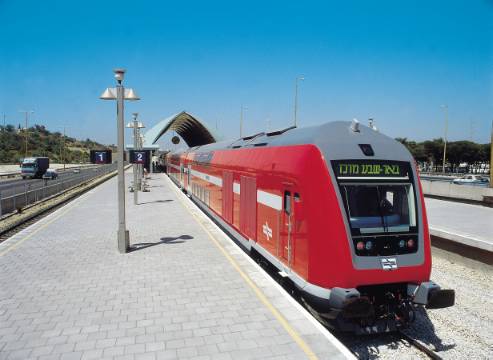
[{"x": 394, "y": 61}]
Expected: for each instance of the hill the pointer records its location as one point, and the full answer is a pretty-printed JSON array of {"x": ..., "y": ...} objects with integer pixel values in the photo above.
[{"x": 41, "y": 142}]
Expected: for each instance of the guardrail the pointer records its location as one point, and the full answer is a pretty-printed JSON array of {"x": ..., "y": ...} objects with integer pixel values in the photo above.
[{"x": 27, "y": 195}]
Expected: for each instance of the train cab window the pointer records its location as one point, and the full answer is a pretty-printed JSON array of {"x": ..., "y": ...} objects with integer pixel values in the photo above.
[
  {"x": 296, "y": 198},
  {"x": 287, "y": 202},
  {"x": 380, "y": 208}
]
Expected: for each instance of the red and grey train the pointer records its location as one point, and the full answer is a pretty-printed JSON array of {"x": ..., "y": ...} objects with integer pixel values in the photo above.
[{"x": 338, "y": 210}]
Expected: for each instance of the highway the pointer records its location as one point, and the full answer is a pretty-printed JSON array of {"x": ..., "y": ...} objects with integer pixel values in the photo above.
[
  {"x": 16, "y": 194},
  {"x": 9, "y": 187}
]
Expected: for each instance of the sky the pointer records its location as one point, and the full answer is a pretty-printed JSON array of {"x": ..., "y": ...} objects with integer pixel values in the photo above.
[{"x": 394, "y": 61}]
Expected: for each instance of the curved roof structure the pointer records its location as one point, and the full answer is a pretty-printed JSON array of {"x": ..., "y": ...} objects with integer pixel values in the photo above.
[{"x": 192, "y": 130}]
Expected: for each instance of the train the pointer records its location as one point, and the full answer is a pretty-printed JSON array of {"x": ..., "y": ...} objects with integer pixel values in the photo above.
[{"x": 336, "y": 209}]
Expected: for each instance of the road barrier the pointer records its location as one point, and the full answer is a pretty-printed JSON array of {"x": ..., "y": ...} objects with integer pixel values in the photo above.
[{"x": 457, "y": 192}]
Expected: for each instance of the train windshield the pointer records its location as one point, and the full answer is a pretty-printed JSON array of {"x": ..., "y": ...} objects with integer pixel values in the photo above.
[{"x": 376, "y": 208}]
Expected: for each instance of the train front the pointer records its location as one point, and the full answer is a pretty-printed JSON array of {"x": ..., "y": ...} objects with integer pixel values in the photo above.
[{"x": 378, "y": 189}]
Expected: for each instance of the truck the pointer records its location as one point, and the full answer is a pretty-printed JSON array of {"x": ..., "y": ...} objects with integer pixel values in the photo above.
[{"x": 34, "y": 167}]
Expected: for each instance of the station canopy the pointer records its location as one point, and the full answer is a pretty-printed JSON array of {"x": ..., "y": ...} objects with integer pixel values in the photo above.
[{"x": 192, "y": 130}]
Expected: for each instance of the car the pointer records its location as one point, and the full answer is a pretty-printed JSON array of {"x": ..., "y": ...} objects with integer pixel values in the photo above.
[
  {"x": 50, "y": 174},
  {"x": 76, "y": 171},
  {"x": 471, "y": 180}
]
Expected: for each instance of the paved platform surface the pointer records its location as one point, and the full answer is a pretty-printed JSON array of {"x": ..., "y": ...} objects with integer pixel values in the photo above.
[
  {"x": 184, "y": 292},
  {"x": 465, "y": 223}
]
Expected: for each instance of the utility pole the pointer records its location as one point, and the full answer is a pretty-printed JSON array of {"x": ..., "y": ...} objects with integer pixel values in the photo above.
[
  {"x": 26, "y": 114},
  {"x": 296, "y": 99},
  {"x": 445, "y": 108},
  {"x": 63, "y": 157}
]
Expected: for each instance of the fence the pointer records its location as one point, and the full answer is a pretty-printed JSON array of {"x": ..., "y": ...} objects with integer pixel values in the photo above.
[{"x": 19, "y": 196}]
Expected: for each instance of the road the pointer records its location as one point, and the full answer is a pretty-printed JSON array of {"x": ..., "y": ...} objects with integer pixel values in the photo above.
[
  {"x": 13, "y": 186},
  {"x": 15, "y": 194}
]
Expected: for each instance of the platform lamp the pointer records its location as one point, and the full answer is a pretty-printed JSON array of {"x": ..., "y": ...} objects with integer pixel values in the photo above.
[
  {"x": 299, "y": 78},
  {"x": 136, "y": 126},
  {"x": 491, "y": 156},
  {"x": 445, "y": 111},
  {"x": 120, "y": 94}
]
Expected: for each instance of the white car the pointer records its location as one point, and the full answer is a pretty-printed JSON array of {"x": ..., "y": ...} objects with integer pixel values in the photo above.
[{"x": 471, "y": 180}]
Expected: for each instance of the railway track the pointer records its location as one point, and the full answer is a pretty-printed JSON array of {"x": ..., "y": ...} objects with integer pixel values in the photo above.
[
  {"x": 420, "y": 346},
  {"x": 387, "y": 346},
  {"x": 26, "y": 223}
]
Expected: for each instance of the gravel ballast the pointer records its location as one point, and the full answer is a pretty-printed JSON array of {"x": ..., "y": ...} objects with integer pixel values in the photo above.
[{"x": 464, "y": 331}]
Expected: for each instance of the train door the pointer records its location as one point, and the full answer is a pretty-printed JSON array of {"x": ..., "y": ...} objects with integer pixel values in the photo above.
[
  {"x": 286, "y": 233},
  {"x": 248, "y": 207},
  {"x": 188, "y": 186},
  {"x": 182, "y": 170},
  {"x": 227, "y": 196}
]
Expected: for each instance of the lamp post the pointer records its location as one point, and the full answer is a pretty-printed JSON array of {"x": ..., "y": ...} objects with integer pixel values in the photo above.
[
  {"x": 136, "y": 126},
  {"x": 120, "y": 94},
  {"x": 241, "y": 119},
  {"x": 141, "y": 166},
  {"x": 445, "y": 109},
  {"x": 26, "y": 114},
  {"x": 296, "y": 99}
]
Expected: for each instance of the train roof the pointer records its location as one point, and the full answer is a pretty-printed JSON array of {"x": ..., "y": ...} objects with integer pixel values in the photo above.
[{"x": 336, "y": 140}]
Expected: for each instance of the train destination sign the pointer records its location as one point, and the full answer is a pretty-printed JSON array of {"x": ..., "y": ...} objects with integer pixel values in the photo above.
[{"x": 355, "y": 169}]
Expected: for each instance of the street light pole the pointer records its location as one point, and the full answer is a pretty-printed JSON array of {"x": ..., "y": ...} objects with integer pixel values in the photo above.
[
  {"x": 123, "y": 235},
  {"x": 445, "y": 108},
  {"x": 296, "y": 99},
  {"x": 241, "y": 120},
  {"x": 491, "y": 156},
  {"x": 120, "y": 94},
  {"x": 136, "y": 188}
]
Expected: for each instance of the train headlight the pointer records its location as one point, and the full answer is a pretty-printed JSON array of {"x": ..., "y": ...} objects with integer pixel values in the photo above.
[
  {"x": 360, "y": 245},
  {"x": 402, "y": 243},
  {"x": 368, "y": 245},
  {"x": 410, "y": 243}
]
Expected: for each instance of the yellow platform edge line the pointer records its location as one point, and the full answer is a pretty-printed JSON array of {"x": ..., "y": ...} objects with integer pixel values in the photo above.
[{"x": 260, "y": 295}]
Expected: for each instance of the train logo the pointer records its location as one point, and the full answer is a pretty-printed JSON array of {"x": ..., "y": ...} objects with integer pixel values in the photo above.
[
  {"x": 389, "y": 263},
  {"x": 267, "y": 230}
]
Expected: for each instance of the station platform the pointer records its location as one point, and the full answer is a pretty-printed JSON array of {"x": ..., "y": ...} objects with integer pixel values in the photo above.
[
  {"x": 184, "y": 291},
  {"x": 467, "y": 224}
]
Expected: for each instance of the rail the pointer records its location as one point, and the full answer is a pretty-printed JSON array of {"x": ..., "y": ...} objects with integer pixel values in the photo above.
[{"x": 25, "y": 195}]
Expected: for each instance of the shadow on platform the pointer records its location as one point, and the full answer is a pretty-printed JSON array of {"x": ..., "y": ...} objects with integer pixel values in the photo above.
[
  {"x": 155, "y": 201},
  {"x": 165, "y": 240}
]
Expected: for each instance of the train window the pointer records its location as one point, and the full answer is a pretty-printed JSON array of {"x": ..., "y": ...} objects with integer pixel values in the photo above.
[
  {"x": 287, "y": 202},
  {"x": 297, "y": 197},
  {"x": 380, "y": 208}
]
